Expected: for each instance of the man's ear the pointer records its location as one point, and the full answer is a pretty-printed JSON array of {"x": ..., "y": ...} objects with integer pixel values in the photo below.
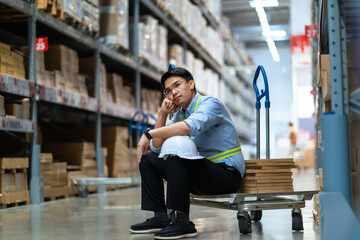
[{"x": 192, "y": 84}]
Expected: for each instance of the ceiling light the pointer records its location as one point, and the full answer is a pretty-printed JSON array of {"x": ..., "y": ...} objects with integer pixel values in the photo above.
[
  {"x": 273, "y": 49},
  {"x": 264, "y": 3},
  {"x": 274, "y": 33},
  {"x": 266, "y": 29}
]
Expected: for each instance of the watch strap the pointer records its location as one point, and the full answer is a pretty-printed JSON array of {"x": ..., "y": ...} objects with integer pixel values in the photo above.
[{"x": 147, "y": 134}]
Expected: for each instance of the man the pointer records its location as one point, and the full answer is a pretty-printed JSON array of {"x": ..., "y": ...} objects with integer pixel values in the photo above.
[
  {"x": 207, "y": 121},
  {"x": 293, "y": 140}
]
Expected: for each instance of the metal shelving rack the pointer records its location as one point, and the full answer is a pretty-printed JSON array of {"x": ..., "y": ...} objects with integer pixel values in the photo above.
[
  {"x": 92, "y": 105},
  {"x": 336, "y": 200}
]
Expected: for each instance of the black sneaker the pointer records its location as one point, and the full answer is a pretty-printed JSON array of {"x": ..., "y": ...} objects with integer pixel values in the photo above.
[
  {"x": 149, "y": 226},
  {"x": 177, "y": 230}
]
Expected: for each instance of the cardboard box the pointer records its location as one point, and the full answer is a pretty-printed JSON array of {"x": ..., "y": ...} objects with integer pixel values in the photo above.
[
  {"x": 14, "y": 163},
  {"x": 326, "y": 85},
  {"x": 8, "y": 183},
  {"x": 114, "y": 22},
  {"x": 13, "y": 109},
  {"x": 13, "y": 197},
  {"x": 72, "y": 153},
  {"x": 59, "y": 174},
  {"x": 21, "y": 181},
  {"x": 326, "y": 106},
  {"x": 353, "y": 53},
  {"x": 2, "y": 106},
  {"x": 353, "y": 78},
  {"x": 46, "y": 158}
]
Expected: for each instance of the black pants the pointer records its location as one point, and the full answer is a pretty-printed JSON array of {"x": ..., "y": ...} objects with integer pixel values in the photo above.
[{"x": 183, "y": 176}]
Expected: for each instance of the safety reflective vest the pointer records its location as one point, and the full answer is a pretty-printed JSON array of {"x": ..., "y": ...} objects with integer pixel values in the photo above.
[{"x": 222, "y": 155}]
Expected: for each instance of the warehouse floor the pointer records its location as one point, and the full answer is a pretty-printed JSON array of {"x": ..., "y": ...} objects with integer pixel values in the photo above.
[{"x": 108, "y": 216}]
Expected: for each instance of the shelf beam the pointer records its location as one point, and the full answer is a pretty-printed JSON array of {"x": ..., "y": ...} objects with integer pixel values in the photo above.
[
  {"x": 65, "y": 29},
  {"x": 20, "y": 5}
]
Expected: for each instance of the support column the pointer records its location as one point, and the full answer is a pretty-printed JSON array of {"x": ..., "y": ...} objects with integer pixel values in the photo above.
[
  {"x": 36, "y": 181},
  {"x": 99, "y": 153}
]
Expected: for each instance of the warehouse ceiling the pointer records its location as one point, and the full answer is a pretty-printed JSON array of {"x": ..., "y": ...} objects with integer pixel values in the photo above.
[{"x": 245, "y": 25}]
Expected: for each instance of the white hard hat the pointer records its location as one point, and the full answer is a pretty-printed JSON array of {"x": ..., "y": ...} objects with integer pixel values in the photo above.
[{"x": 181, "y": 146}]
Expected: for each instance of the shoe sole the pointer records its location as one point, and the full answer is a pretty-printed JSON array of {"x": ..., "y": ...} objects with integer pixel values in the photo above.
[
  {"x": 188, "y": 235},
  {"x": 145, "y": 231}
]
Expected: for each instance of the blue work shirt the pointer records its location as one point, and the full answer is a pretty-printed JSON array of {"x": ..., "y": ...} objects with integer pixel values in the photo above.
[{"x": 212, "y": 130}]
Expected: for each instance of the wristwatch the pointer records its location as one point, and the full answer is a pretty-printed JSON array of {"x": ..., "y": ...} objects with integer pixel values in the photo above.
[{"x": 147, "y": 134}]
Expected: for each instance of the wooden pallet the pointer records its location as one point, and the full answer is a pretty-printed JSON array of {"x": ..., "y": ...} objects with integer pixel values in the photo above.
[{"x": 54, "y": 193}]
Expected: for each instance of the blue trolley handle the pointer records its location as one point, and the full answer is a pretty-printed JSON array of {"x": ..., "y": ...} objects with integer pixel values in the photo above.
[
  {"x": 153, "y": 117},
  {"x": 263, "y": 93},
  {"x": 258, "y": 107},
  {"x": 143, "y": 122}
]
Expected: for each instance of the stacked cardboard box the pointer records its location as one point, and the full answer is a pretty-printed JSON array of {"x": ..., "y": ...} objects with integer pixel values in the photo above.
[
  {"x": 186, "y": 14},
  {"x": 13, "y": 180},
  {"x": 114, "y": 27},
  {"x": 84, "y": 12},
  {"x": 46, "y": 160},
  {"x": 19, "y": 68},
  {"x": 162, "y": 54},
  {"x": 87, "y": 67},
  {"x": 64, "y": 62},
  {"x": 74, "y": 153},
  {"x": 353, "y": 59},
  {"x": 18, "y": 108},
  {"x": 153, "y": 46},
  {"x": 55, "y": 177},
  {"x": 2, "y": 106},
  {"x": 268, "y": 175},
  {"x": 115, "y": 85},
  {"x": 119, "y": 93},
  {"x": 150, "y": 100},
  {"x": 90, "y": 15},
  {"x": 151, "y": 25},
  {"x": 176, "y": 55},
  {"x": 11, "y": 63},
  {"x": 78, "y": 155},
  {"x": 115, "y": 139},
  {"x": 316, "y": 210}
]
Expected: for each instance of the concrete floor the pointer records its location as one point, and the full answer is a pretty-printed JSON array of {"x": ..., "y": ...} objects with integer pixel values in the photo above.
[{"x": 108, "y": 216}]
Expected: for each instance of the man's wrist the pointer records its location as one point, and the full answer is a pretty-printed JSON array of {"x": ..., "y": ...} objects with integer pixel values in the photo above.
[{"x": 147, "y": 134}]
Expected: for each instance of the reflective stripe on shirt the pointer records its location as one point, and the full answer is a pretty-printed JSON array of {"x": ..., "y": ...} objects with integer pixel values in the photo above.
[{"x": 225, "y": 154}]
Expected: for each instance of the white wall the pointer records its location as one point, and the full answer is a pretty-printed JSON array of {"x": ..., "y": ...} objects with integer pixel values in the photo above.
[{"x": 280, "y": 90}]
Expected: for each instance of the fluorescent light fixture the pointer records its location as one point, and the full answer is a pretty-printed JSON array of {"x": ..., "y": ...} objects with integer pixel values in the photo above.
[
  {"x": 264, "y": 3},
  {"x": 266, "y": 29},
  {"x": 274, "y": 33},
  {"x": 273, "y": 49}
]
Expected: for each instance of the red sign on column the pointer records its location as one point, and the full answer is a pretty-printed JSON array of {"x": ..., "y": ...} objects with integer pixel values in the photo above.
[
  {"x": 41, "y": 44},
  {"x": 311, "y": 31}
]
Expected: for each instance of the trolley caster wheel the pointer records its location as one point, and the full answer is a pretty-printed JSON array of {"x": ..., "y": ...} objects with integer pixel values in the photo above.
[
  {"x": 244, "y": 222},
  {"x": 297, "y": 220},
  {"x": 83, "y": 191},
  {"x": 256, "y": 215}
]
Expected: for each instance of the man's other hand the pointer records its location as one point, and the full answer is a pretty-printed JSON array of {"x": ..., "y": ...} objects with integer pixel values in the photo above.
[{"x": 142, "y": 147}]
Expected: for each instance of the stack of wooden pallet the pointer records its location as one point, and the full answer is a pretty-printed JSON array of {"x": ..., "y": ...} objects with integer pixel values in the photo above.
[{"x": 268, "y": 175}]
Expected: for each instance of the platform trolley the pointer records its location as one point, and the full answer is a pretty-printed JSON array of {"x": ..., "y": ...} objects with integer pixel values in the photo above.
[{"x": 254, "y": 203}]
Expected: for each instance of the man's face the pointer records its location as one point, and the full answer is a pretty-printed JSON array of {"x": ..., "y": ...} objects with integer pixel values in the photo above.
[{"x": 179, "y": 91}]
